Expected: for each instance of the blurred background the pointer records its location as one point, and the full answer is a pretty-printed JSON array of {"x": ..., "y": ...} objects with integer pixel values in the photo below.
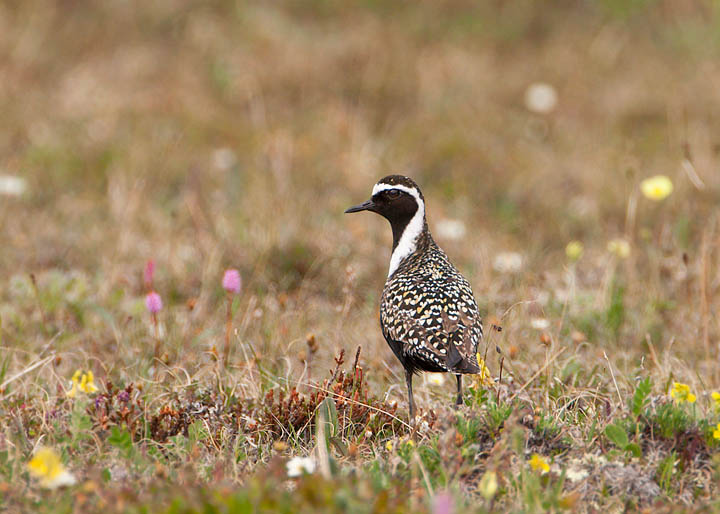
[{"x": 208, "y": 135}]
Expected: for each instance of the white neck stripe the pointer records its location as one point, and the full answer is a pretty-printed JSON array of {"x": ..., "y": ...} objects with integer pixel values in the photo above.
[{"x": 408, "y": 240}]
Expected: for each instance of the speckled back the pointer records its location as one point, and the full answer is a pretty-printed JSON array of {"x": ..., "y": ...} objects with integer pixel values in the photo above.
[{"x": 429, "y": 314}]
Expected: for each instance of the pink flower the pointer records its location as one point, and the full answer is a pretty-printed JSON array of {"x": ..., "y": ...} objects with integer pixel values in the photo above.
[
  {"x": 231, "y": 281},
  {"x": 153, "y": 302},
  {"x": 149, "y": 273},
  {"x": 443, "y": 504}
]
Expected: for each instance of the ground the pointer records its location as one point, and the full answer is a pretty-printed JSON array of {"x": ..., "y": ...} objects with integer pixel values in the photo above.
[{"x": 205, "y": 136}]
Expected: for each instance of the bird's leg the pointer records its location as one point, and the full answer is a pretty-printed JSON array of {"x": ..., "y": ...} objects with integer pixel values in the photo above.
[
  {"x": 459, "y": 400},
  {"x": 411, "y": 400}
]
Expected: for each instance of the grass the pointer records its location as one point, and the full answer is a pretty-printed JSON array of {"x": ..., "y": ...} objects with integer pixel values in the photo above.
[{"x": 216, "y": 135}]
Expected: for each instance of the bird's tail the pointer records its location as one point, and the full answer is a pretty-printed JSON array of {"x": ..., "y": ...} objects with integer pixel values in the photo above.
[{"x": 456, "y": 363}]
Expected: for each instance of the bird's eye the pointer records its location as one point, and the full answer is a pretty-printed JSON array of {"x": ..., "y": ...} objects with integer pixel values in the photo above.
[{"x": 393, "y": 193}]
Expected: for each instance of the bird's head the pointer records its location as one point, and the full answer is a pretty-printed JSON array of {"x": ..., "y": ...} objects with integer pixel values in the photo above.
[{"x": 395, "y": 197}]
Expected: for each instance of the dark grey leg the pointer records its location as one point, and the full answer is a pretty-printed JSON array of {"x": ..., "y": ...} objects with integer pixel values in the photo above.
[
  {"x": 459, "y": 400},
  {"x": 411, "y": 400}
]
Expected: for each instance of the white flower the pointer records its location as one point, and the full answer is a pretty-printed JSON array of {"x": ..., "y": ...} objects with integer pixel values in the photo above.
[
  {"x": 224, "y": 158},
  {"x": 540, "y": 97},
  {"x": 453, "y": 230},
  {"x": 539, "y": 323},
  {"x": 11, "y": 185},
  {"x": 508, "y": 262},
  {"x": 436, "y": 378},
  {"x": 298, "y": 466},
  {"x": 576, "y": 475},
  {"x": 598, "y": 460},
  {"x": 251, "y": 423}
]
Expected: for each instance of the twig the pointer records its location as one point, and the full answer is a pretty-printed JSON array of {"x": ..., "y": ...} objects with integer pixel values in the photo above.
[
  {"x": 154, "y": 318},
  {"x": 349, "y": 400},
  {"x": 355, "y": 385},
  {"x": 522, "y": 302},
  {"x": 357, "y": 358},
  {"x": 339, "y": 360},
  {"x": 228, "y": 329},
  {"x": 50, "y": 343}
]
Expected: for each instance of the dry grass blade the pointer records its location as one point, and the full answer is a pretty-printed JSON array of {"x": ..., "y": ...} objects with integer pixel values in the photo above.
[
  {"x": 25, "y": 371},
  {"x": 539, "y": 372}
]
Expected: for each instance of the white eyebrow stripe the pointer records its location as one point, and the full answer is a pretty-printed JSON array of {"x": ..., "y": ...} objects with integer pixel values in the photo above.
[
  {"x": 384, "y": 187},
  {"x": 414, "y": 228}
]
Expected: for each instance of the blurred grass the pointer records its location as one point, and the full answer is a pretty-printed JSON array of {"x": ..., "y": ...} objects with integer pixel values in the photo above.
[{"x": 213, "y": 134}]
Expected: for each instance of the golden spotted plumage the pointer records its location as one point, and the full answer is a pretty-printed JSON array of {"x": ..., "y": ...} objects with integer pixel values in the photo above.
[{"x": 427, "y": 305}]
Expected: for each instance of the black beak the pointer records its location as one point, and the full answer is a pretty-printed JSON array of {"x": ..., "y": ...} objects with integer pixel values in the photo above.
[{"x": 366, "y": 206}]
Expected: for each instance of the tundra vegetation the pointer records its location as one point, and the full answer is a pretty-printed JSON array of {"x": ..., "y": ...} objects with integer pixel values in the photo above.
[{"x": 188, "y": 323}]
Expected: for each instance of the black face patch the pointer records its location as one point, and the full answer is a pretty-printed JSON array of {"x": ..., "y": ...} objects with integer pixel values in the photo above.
[{"x": 397, "y": 206}]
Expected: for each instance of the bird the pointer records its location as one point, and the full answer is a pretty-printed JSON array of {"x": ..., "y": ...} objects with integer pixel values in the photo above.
[{"x": 428, "y": 313}]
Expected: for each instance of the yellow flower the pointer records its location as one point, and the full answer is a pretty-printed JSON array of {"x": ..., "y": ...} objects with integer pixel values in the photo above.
[
  {"x": 280, "y": 446},
  {"x": 85, "y": 382},
  {"x": 484, "y": 378},
  {"x": 48, "y": 468},
  {"x": 538, "y": 463},
  {"x": 488, "y": 485},
  {"x": 681, "y": 393},
  {"x": 619, "y": 248},
  {"x": 716, "y": 400},
  {"x": 716, "y": 432},
  {"x": 389, "y": 445},
  {"x": 656, "y": 188},
  {"x": 574, "y": 250},
  {"x": 74, "y": 382}
]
